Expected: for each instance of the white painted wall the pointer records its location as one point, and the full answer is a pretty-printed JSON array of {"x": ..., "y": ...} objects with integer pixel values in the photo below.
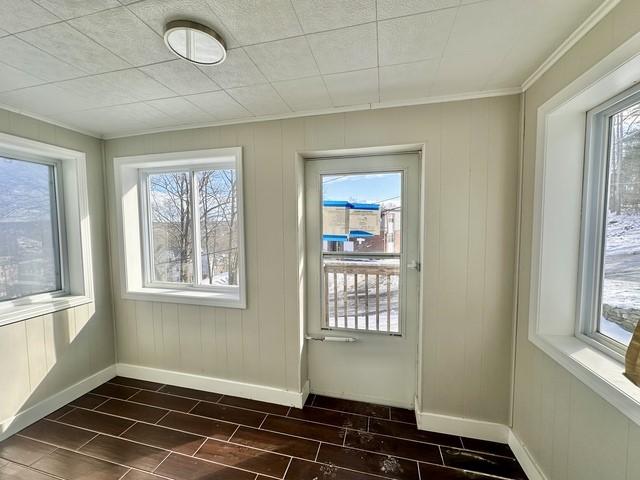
[
  {"x": 470, "y": 216},
  {"x": 42, "y": 356},
  {"x": 570, "y": 431}
]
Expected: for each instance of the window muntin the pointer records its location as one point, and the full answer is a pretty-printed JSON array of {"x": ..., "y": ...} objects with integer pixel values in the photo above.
[
  {"x": 609, "y": 299},
  {"x": 192, "y": 219},
  {"x": 30, "y": 236}
]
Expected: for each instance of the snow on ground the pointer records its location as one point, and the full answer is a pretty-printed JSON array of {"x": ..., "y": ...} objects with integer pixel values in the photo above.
[{"x": 621, "y": 286}]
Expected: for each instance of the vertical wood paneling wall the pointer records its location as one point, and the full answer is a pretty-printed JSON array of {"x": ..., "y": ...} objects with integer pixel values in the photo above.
[
  {"x": 470, "y": 212},
  {"x": 571, "y": 431},
  {"x": 43, "y": 355}
]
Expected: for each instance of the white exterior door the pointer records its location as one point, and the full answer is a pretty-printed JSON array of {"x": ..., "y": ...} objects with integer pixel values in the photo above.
[{"x": 363, "y": 244}]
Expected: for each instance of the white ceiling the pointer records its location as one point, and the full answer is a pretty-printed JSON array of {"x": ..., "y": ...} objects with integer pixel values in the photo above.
[{"x": 100, "y": 66}]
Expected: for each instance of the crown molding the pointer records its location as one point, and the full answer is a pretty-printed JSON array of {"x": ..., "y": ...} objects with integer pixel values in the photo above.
[
  {"x": 50, "y": 121},
  {"x": 591, "y": 21}
]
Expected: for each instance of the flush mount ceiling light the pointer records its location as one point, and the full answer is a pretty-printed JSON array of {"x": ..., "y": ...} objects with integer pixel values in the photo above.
[{"x": 195, "y": 42}]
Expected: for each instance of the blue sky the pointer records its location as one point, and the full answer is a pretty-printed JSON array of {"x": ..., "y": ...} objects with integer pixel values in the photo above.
[{"x": 364, "y": 188}]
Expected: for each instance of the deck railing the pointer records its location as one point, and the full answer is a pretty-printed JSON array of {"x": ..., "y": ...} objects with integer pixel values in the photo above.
[{"x": 362, "y": 293}]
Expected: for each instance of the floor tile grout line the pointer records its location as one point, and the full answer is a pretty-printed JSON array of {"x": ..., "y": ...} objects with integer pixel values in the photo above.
[
  {"x": 194, "y": 407},
  {"x": 174, "y": 451},
  {"x": 127, "y": 429},
  {"x": 206, "y": 439},
  {"x": 98, "y": 406},
  {"x": 259, "y": 428},
  {"x": 88, "y": 441},
  {"x": 230, "y": 466},
  {"x": 234, "y": 432},
  {"x": 276, "y": 415},
  {"x": 169, "y": 452},
  {"x": 162, "y": 418},
  {"x": 286, "y": 470},
  {"x": 124, "y": 474},
  {"x": 263, "y": 420},
  {"x": 33, "y": 469},
  {"x": 158, "y": 466}
]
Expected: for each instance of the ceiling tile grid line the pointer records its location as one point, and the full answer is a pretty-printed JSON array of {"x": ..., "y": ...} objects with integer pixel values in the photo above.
[
  {"x": 324, "y": 84},
  {"x": 286, "y": 57}
]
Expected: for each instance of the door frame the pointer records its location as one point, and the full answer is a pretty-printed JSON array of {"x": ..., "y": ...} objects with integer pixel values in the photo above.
[{"x": 301, "y": 157}]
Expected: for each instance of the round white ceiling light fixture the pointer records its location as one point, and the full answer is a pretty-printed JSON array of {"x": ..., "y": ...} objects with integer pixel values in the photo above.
[{"x": 195, "y": 42}]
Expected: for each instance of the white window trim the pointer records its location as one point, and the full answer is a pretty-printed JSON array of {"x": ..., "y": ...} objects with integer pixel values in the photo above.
[
  {"x": 557, "y": 221},
  {"x": 74, "y": 230},
  {"x": 133, "y": 231},
  {"x": 593, "y": 220}
]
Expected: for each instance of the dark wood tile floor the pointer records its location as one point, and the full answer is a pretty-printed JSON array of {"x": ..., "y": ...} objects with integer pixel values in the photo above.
[{"x": 130, "y": 429}]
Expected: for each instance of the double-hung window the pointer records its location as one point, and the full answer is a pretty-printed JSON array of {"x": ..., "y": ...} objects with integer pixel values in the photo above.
[
  {"x": 182, "y": 234},
  {"x": 609, "y": 297},
  {"x": 45, "y": 237},
  {"x": 31, "y": 255}
]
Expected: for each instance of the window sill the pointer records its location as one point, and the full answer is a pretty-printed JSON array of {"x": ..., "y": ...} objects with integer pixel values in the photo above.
[
  {"x": 595, "y": 369},
  {"x": 189, "y": 297},
  {"x": 37, "y": 308}
]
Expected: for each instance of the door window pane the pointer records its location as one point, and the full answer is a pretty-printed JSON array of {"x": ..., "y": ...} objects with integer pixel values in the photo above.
[
  {"x": 362, "y": 244},
  {"x": 170, "y": 205},
  {"x": 362, "y": 213},
  {"x": 218, "y": 226},
  {"x": 620, "y": 296},
  {"x": 29, "y": 236}
]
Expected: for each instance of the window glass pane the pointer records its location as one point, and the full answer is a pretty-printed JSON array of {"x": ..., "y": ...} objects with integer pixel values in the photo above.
[
  {"x": 171, "y": 210},
  {"x": 620, "y": 308},
  {"x": 29, "y": 253},
  {"x": 218, "y": 226},
  {"x": 362, "y": 212}
]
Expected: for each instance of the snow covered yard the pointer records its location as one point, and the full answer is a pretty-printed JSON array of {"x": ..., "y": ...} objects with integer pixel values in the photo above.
[{"x": 620, "y": 299}]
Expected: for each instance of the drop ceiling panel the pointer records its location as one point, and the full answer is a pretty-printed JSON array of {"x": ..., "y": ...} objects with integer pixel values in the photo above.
[
  {"x": 407, "y": 80},
  {"x": 284, "y": 59},
  {"x": 124, "y": 34},
  {"x": 43, "y": 100},
  {"x": 252, "y": 22},
  {"x": 413, "y": 38},
  {"x": 317, "y": 16},
  {"x": 181, "y": 77},
  {"x": 259, "y": 99},
  {"x": 67, "y": 9},
  {"x": 219, "y": 105},
  {"x": 346, "y": 49},
  {"x": 23, "y": 56},
  {"x": 12, "y": 78},
  {"x": 353, "y": 88},
  {"x": 156, "y": 13},
  {"x": 304, "y": 93},
  {"x": 180, "y": 110},
  {"x": 19, "y": 15},
  {"x": 238, "y": 70},
  {"x": 68, "y": 44},
  {"x": 394, "y": 8},
  {"x": 102, "y": 64}
]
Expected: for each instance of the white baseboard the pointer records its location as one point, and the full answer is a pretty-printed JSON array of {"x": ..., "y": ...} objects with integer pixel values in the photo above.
[
  {"x": 494, "y": 432},
  {"x": 43, "y": 408},
  {"x": 526, "y": 460},
  {"x": 465, "y": 427},
  {"x": 218, "y": 385}
]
